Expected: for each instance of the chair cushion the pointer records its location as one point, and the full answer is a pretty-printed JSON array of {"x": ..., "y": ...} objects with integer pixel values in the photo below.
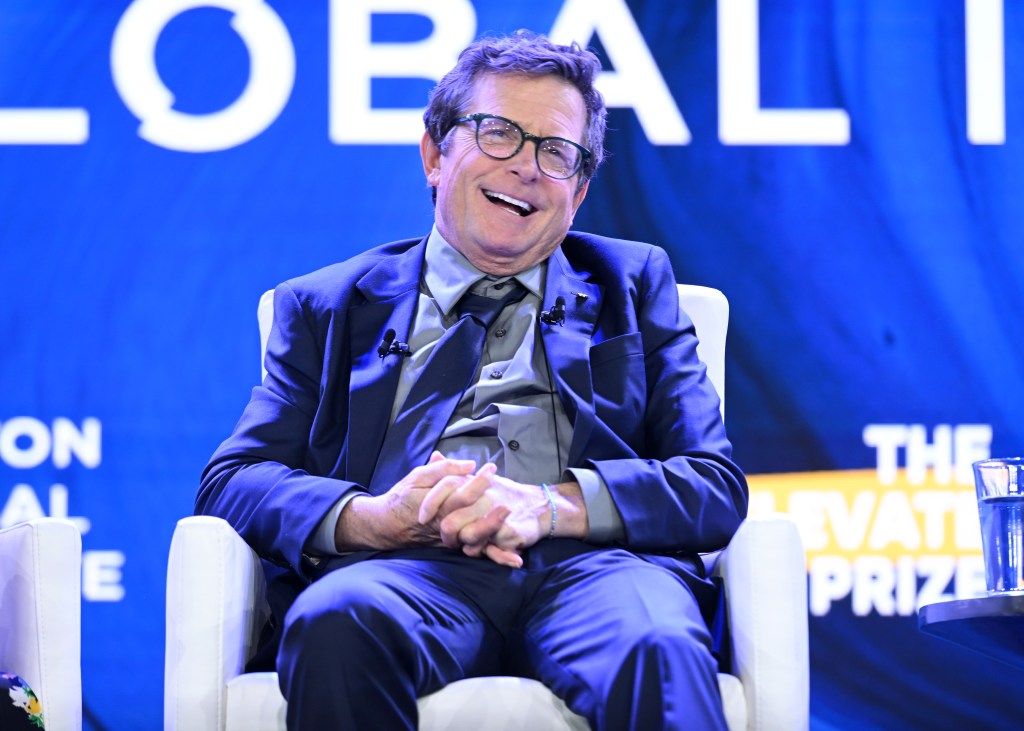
[
  {"x": 499, "y": 703},
  {"x": 734, "y": 702},
  {"x": 255, "y": 703}
]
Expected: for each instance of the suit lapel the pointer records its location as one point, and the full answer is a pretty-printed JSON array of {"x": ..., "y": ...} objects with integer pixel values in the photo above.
[
  {"x": 391, "y": 291},
  {"x": 568, "y": 347}
]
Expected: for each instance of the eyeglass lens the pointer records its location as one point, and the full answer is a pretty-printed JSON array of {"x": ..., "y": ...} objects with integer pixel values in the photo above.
[{"x": 501, "y": 139}]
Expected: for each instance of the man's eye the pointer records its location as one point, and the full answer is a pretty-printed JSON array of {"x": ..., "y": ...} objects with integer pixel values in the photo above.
[
  {"x": 495, "y": 134},
  {"x": 555, "y": 152}
]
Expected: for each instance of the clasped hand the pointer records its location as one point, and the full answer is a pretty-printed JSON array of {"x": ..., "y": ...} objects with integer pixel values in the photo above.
[
  {"x": 485, "y": 514},
  {"x": 445, "y": 502}
]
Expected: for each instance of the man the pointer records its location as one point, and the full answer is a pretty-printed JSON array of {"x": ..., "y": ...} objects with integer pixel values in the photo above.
[{"x": 493, "y": 450}]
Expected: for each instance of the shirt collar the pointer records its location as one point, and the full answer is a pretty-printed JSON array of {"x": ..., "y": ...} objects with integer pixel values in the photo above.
[{"x": 449, "y": 275}]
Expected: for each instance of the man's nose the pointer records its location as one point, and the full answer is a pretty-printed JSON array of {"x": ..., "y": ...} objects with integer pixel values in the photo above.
[{"x": 524, "y": 162}]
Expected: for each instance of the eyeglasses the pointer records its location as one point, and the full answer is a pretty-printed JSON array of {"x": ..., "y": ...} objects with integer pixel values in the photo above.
[{"x": 502, "y": 138}]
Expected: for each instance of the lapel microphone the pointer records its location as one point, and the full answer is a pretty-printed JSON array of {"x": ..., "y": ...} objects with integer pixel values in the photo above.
[
  {"x": 556, "y": 315},
  {"x": 389, "y": 346}
]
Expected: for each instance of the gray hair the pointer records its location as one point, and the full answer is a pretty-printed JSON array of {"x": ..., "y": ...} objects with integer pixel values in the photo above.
[{"x": 527, "y": 54}]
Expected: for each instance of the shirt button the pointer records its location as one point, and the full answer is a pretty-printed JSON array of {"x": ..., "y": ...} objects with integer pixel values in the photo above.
[
  {"x": 499, "y": 285},
  {"x": 513, "y": 445},
  {"x": 500, "y": 332},
  {"x": 496, "y": 374}
]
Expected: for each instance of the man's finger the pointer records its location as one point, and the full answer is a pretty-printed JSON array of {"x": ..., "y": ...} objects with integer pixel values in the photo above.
[
  {"x": 481, "y": 531},
  {"x": 502, "y": 557},
  {"x": 452, "y": 523},
  {"x": 435, "y": 497},
  {"x": 462, "y": 496},
  {"x": 445, "y": 466},
  {"x": 432, "y": 472},
  {"x": 472, "y": 490}
]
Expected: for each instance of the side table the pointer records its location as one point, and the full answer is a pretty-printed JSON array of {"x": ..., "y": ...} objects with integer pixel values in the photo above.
[{"x": 991, "y": 625}]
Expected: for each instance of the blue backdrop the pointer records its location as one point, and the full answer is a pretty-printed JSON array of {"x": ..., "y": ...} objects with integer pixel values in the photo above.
[{"x": 848, "y": 172}]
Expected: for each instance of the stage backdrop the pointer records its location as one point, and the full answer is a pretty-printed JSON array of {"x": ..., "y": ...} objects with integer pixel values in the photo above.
[{"x": 849, "y": 173}]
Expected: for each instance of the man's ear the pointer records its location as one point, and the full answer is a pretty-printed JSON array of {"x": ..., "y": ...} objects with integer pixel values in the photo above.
[
  {"x": 431, "y": 155},
  {"x": 579, "y": 196}
]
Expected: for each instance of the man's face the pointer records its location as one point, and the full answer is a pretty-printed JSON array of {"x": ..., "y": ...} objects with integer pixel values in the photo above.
[{"x": 499, "y": 237}]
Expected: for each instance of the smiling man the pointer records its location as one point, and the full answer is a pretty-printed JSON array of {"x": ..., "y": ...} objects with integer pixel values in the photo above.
[
  {"x": 492, "y": 450},
  {"x": 499, "y": 209}
]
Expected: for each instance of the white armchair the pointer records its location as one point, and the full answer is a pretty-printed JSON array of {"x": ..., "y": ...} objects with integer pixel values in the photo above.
[
  {"x": 216, "y": 606},
  {"x": 40, "y": 615}
]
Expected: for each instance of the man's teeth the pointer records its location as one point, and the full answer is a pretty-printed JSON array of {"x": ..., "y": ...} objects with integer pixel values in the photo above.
[{"x": 525, "y": 207}]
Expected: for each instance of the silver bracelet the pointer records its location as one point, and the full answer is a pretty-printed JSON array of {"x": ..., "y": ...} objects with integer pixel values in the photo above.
[{"x": 554, "y": 508}]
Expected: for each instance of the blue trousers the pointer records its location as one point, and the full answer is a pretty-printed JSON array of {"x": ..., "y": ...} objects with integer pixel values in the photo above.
[{"x": 619, "y": 638}]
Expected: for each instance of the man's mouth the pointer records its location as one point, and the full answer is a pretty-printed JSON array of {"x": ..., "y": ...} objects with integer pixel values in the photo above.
[{"x": 509, "y": 203}]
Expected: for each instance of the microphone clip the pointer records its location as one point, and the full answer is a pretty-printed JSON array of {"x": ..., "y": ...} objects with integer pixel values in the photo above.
[
  {"x": 390, "y": 346},
  {"x": 556, "y": 315}
]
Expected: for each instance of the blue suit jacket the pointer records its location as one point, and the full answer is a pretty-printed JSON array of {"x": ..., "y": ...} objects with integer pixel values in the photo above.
[{"x": 625, "y": 365}]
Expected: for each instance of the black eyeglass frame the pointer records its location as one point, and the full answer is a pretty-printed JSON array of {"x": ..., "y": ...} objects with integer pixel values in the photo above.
[{"x": 478, "y": 117}]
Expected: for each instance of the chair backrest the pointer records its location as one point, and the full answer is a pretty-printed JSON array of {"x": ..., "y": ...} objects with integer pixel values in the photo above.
[
  {"x": 707, "y": 307},
  {"x": 709, "y": 310},
  {"x": 265, "y": 316},
  {"x": 40, "y": 615}
]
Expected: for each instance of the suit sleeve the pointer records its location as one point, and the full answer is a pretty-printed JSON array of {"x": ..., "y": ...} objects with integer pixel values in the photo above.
[
  {"x": 256, "y": 479},
  {"x": 682, "y": 492}
]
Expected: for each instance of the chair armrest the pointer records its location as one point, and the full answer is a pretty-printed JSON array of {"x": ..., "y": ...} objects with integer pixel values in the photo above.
[
  {"x": 41, "y": 615},
  {"x": 216, "y": 606},
  {"x": 765, "y": 576}
]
